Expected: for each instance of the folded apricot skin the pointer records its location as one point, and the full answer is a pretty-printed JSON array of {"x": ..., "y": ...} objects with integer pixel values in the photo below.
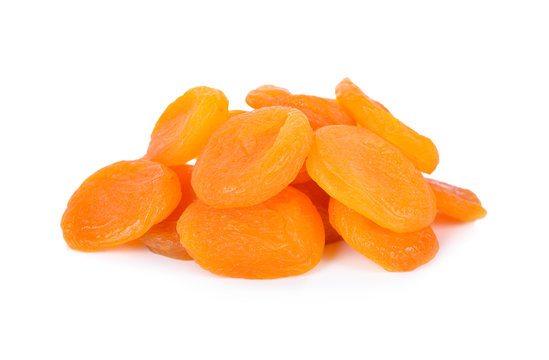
[
  {"x": 252, "y": 157},
  {"x": 370, "y": 114},
  {"x": 119, "y": 203},
  {"x": 372, "y": 177},
  {"x": 393, "y": 251}
]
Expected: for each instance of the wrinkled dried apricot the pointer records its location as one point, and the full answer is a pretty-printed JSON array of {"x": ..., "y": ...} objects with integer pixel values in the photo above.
[
  {"x": 355, "y": 173},
  {"x": 184, "y": 173},
  {"x": 393, "y": 251},
  {"x": 252, "y": 157},
  {"x": 283, "y": 236},
  {"x": 372, "y": 177},
  {"x": 320, "y": 200},
  {"x": 119, "y": 203},
  {"x": 234, "y": 113},
  {"x": 163, "y": 239},
  {"x": 370, "y": 114},
  {"x": 319, "y": 111},
  {"x": 458, "y": 203},
  {"x": 186, "y": 125}
]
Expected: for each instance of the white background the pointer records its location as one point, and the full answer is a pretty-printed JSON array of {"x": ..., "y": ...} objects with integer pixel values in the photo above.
[{"x": 82, "y": 84}]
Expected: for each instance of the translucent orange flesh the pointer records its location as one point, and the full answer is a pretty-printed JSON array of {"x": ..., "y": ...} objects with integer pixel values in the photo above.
[
  {"x": 458, "y": 203},
  {"x": 163, "y": 239}
]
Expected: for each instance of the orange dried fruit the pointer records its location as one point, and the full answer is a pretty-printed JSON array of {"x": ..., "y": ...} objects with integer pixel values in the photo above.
[
  {"x": 252, "y": 157},
  {"x": 184, "y": 173},
  {"x": 163, "y": 239},
  {"x": 186, "y": 125},
  {"x": 372, "y": 177},
  {"x": 281, "y": 237},
  {"x": 458, "y": 203},
  {"x": 235, "y": 112},
  {"x": 370, "y": 114},
  {"x": 302, "y": 176},
  {"x": 319, "y": 111},
  {"x": 320, "y": 200},
  {"x": 393, "y": 251},
  {"x": 119, "y": 203}
]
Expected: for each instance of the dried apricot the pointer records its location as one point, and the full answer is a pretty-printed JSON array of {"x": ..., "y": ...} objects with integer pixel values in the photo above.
[
  {"x": 235, "y": 112},
  {"x": 302, "y": 176},
  {"x": 119, "y": 203},
  {"x": 320, "y": 200},
  {"x": 319, "y": 111},
  {"x": 186, "y": 125},
  {"x": 372, "y": 177},
  {"x": 370, "y": 114},
  {"x": 163, "y": 239},
  {"x": 393, "y": 251},
  {"x": 281, "y": 237},
  {"x": 458, "y": 203},
  {"x": 252, "y": 157},
  {"x": 184, "y": 173}
]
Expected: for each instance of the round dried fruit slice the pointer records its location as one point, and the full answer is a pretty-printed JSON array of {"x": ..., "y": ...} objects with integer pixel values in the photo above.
[
  {"x": 281, "y": 237},
  {"x": 186, "y": 125},
  {"x": 393, "y": 251},
  {"x": 370, "y": 114},
  {"x": 119, "y": 203},
  {"x": 252, "y": 157},
  {"x": 372, "y": 177}
]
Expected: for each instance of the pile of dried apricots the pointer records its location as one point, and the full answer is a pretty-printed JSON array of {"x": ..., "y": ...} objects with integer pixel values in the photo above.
[{"x": 271, "y": 186}]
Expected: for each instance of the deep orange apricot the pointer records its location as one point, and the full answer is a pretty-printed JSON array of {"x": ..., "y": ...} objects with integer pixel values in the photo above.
[
  {"x": 186, "y": 125},
  {"x": 184, "y": 173},
  {"x": 393, "y": 251},
  {"x": 235, "y": 112},
  {"x": 302, "y": 176},
  {"x": 283, "y": 236},
  {"x": 458, "y": 203},
  {"x": 370, "y": 114},
  {"x": 163, "y": 239},
  {"x": 252, "y": 157},
  {"x": 119, "y": 203},
  {"x": 372, "y": 177},
  {"x": 320, "y": 200},
  {"x": 319, "y": 111}
]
